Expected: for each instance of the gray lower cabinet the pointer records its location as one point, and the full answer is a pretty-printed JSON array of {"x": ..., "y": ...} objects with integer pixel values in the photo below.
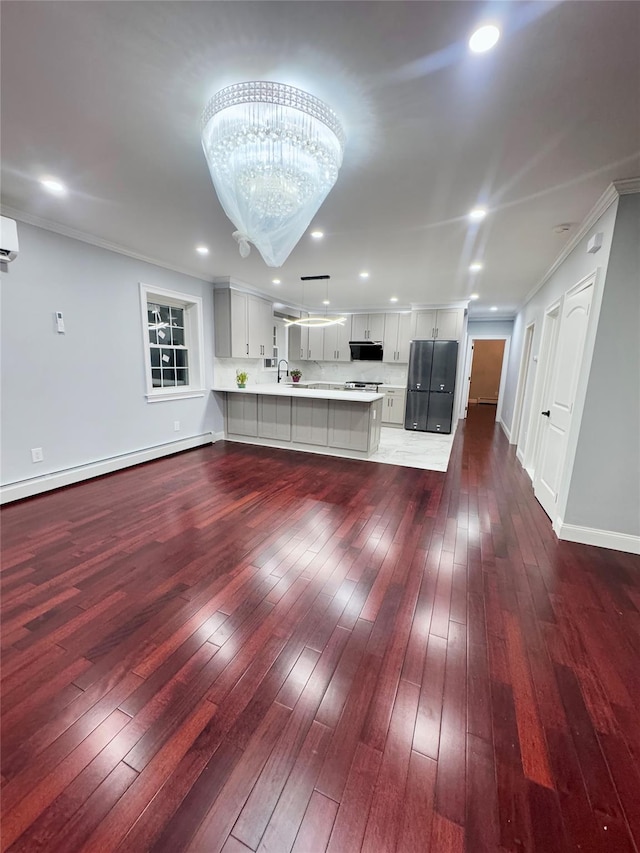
[
  {"x": 349, "y": 425},
  {"x": 242, "y": 414},
  {"x": 274, "y": 418},
  {"x": 310, "y": 421}
]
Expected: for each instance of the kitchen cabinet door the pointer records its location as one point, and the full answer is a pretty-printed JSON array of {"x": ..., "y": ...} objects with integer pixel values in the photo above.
[
  {"x": 259, "y": 327},
  {"x": 238, "y": 321},
  {"x": 242, "y": 414},
  {"x": 376, "y": 327},
  {"x": 315, "y": 351},
  {"x": 359, "y": 327},
  {"x": 274, "y": 418},
  {"x": 348, "y": 425},
  {"x": 393, "y": 407},
  {"x": 424, "y": 325},
  {"x": 299, "y": 342},
  {"x": 390, "y": 339},
  {"x": 397, "y": 337},
  {"x": 336, "y": 342},
  {"x": 309, "y": 421},
  {"x": 404, "y": 338},
  {"x": 448, "y": 323}
]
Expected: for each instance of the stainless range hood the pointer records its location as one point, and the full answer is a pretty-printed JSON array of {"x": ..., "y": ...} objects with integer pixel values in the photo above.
[{"x": 366, "y": 350}]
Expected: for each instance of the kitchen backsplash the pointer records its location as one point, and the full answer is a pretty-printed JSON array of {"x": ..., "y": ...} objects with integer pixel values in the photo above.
[
  {"x": 329, "y": 371},
  {"x": 354, "y": 371}
]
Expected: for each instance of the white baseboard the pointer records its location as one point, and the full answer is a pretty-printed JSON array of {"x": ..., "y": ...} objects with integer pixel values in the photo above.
[
  {"x": 56, "y": 479},
  {"x": 506, "y": 431},
  {"x": 520, "y": 456},
  {"x": 601, "y": 538}
]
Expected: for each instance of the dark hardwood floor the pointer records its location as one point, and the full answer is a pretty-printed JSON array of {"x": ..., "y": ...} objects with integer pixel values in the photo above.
[{"x": 244, "y": 649}]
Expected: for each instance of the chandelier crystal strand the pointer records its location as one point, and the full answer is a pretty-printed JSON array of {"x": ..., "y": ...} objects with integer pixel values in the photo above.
[{"x": 274, "y": 153}]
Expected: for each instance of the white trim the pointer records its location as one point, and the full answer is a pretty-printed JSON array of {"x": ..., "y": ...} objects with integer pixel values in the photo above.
[
  {"x": 84, "y": 237},
  {"x": 66, "y": 477},
  {"x": 520, "y": 456},
  {"x": 194, "y": 339},
  {"x": 611, "y": 194},
  {"x": 175, "y": 395},
  {"x": 505, "y": 430},
  {"x": 600, "y": 538}
]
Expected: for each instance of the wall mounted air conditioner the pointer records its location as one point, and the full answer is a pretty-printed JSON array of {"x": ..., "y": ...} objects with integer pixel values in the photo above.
[{"x": 8, "y": 239}]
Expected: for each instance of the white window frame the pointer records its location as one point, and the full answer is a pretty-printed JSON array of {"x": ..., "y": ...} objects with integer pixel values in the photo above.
[{"x": 194, "y": 341}]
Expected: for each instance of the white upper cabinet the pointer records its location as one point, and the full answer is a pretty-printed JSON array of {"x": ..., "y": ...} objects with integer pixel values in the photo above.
[
  {"x": 397, "y": 336},
  {"x": 243, "y": 325},
  {"x": 316, "y": 344},
  {"x": 367, "y": 327},
  {"x": 336, "y": 342},
  {"x": 299, "y": 341},
  {"x": 444, "y": 324}
]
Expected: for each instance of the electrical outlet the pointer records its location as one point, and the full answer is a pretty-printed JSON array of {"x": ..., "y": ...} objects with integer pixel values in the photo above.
[
  {"x": 36, "y": 454},
  {"x": 176, "y": 426}
]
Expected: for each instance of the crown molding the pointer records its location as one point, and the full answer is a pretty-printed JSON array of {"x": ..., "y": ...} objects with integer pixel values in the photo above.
[
  {"x": 84, "y": 237},
  {"x": 627, "y": 186},
  {"x": 611, "y": 194}
]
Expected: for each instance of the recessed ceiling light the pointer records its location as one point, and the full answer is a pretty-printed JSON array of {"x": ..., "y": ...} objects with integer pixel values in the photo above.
[
  {"x": 364, "y": 275},
  {"x": 475, "y": 296},
  {"x": 202, "y": 250},
  {"x": 494, "y": 308},
  {"x": 317, "y": 235},
  {"x": 54, "y": 186},
  {"x": 477, "y": 213},
  {"x": 484, "y": 38},
  {"x": 326, "y": 302},
  {"x": 393, "y": 299},
  {"x": 276, "y": 281},
  {"x": 476, "y": 266}
]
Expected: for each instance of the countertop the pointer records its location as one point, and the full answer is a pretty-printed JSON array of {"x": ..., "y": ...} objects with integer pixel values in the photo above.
[{"x": 291, "y": 390}]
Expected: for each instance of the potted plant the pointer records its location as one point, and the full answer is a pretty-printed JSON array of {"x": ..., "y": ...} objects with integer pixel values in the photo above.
[
  {"x": 241, "y": 378},
  {"x": 295, "y": 374}
]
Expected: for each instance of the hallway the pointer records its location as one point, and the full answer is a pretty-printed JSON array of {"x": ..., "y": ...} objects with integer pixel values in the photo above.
[{"x": 240, "y": 648}]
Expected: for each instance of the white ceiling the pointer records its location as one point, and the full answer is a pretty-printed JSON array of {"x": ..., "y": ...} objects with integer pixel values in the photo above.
[{"x": 107, "y": 96}]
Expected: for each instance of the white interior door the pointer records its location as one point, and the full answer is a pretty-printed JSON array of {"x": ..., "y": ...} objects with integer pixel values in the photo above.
[{"x": 559, "y": 399}]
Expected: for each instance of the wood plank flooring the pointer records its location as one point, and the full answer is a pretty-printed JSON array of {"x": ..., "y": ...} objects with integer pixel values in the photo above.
[{"x": 243, "y": 649}]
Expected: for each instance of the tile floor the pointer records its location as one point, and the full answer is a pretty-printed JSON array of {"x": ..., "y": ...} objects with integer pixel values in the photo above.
[{"x": 426, "y": 450}]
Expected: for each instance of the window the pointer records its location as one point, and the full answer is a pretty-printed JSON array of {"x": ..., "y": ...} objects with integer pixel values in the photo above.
[{"x": 173, "y": 338}]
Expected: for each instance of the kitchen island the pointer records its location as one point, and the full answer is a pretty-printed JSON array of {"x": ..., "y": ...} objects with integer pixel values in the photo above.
[{"x": 339, "y": 423}]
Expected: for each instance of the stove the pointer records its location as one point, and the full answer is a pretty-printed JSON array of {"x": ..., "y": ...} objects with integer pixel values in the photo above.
[{"x": 362, "y": 386}]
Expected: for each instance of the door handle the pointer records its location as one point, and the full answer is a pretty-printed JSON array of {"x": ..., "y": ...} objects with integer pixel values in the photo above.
[{"x": 547, "y": 414}]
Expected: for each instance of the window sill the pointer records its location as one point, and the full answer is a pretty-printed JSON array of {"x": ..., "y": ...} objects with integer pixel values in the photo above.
[{"x": 164, "y": 396}]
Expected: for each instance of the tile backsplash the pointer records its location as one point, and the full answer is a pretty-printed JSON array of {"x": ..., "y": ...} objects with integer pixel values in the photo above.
[{"x": 224, "y": 371}]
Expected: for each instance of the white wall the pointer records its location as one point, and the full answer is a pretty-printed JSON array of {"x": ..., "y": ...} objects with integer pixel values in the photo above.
[
  {"x": 81, "y": 396},
  {"x": 605, "y": 486},
  {"x": 499, "y": 328}
]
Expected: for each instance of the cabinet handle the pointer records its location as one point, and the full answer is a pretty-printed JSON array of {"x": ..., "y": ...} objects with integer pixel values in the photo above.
[
  {"x": 436, "y": 331},
  {"x": 247, "y": 349},
  {"x": 301, "y": 353}
]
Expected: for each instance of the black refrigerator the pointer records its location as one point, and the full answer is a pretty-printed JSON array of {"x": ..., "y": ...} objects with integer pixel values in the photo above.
[{"x": 430, "y": 386}]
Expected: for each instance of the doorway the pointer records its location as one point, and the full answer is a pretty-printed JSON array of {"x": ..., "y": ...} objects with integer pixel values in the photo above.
[{"x": 486, "y": 366}]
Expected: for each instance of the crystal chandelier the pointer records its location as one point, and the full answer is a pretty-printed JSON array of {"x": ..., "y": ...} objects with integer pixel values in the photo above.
[{"x": 274, "y": 153}]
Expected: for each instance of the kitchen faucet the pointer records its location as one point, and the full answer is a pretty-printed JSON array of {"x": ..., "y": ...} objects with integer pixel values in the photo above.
[{"x": 279, "y": 363}]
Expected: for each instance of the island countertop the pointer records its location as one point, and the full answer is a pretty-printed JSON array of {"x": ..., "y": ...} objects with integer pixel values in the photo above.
[{"x": 290, "y": 390}]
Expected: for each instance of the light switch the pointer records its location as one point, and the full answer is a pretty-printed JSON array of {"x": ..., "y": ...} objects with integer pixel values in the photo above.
[{"x": 60, "y": 322}]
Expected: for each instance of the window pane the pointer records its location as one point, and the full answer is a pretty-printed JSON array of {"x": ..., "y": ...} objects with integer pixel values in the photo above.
[
  {"x": 177, "y": 337},
  {"x": 153, "y": 336},
  {"x": 164, "y": 336},
  {"x": 168, "y": 377},
  {"x": 156, "y": 378},
  {"x": 151, "y": 316},
  {"x": 155, "y": 357},
  {"x": 165, "y": 314},
  {"x": 182, "y": 377},
  {"x": 167, "y": 356},
  {"x": 181, "y": 358},
  {"x": 177, "y": 317}
]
